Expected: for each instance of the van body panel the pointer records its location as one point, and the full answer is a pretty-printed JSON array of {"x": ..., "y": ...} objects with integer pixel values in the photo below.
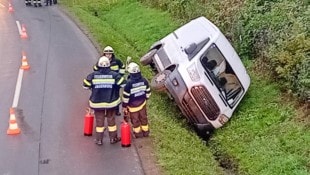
[{"x": 207, "y": 79}]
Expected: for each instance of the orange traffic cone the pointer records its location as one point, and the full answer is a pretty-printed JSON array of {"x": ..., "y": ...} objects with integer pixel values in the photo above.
[
  {"x": 23, "y": 33},
  {"x": 13, "y": 127},
  {"x": 25, "y": 64},
  {"x": 11, "y": 8}
]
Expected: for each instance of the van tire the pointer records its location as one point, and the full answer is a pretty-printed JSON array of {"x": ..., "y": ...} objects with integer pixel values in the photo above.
[
  {"x": 158, "y": 81},
  {"x": 147, "y": 58}
]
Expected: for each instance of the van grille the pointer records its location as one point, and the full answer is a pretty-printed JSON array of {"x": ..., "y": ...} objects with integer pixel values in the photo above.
[
  {"x": 205, "y": 102},
  {"x": 189, "y": 113},
  {"x": 192, "y": 111}
]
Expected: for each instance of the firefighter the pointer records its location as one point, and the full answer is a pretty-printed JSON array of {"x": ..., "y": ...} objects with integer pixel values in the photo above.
[
  {"x": 37, "y": 3},
  {"x": 116, "y": 65},
  {"x": 135, "y": 94},
  {"x": 104, "y": 98},
  {"x": 48, "y": 2},
  {"x": 28, "y": 2}
]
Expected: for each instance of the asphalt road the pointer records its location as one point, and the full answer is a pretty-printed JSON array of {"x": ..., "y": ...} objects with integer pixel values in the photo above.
[{"x": 51, "y": 106}]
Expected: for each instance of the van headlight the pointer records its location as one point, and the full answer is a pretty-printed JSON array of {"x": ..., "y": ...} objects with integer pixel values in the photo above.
[
  {"x": 193, "y": 73},
  {"x": 223, "y": 119}
]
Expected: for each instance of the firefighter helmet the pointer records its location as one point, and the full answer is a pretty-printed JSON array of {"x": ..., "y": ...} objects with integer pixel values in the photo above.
[
  {"x": 104, "y": 62},
  {"x": 108, "y": 49},
  {"x": 133, "y": 68}
]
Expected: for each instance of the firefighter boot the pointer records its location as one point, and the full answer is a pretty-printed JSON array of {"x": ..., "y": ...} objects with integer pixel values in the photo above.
[
  {"x": 146, "y": 133},
  {"x": 115, "y": 140},
  {"x": 138, "y": 135},
  {"x": 118, "y": 113},
  {"x": 99, "y": 137}
]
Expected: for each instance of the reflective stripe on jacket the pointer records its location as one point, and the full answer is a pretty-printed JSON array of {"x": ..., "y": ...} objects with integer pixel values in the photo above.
[
  {"x": 136, "y": 92},
  {"x": 105, "y": 85}
]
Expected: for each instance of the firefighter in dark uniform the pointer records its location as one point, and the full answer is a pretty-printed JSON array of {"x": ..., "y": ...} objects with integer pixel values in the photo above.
[
  {"x": 135, "y": 94},
  {"x": 48, "y": 2},
  {"x": 37, "y": 3},
  {"x": 116, "y": 65},
  {"x": 28, "y": 2},
  {"x": 104, "y": 98}
]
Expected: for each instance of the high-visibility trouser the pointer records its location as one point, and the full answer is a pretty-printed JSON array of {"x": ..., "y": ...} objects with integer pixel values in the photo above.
[
  {"x": 27, "y": 2},
  {"x": 100, "y": 116},
  {"x": 49, "y": 2},
  {"x": 139, "y": 121},
  {"x": 37, "y": 2}
]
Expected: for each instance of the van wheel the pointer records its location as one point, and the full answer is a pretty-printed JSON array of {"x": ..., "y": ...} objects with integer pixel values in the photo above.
[
  {"x": 204, "y": 131},
  {"x": 147, "y": 58},
  {"x": 158, "y": 81}
]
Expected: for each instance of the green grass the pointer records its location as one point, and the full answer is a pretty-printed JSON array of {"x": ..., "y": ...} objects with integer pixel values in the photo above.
[{"x": 261, "y": 138}]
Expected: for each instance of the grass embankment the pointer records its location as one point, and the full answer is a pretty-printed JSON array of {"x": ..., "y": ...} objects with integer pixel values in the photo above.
[{"x": 263, "y": 136}]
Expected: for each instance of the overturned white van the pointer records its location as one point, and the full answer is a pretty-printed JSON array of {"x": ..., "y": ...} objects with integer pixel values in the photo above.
[{"x": 200, "y": 70}]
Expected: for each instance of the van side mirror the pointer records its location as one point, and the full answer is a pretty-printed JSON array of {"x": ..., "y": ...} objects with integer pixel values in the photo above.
[{"x": 191, "y": 48}]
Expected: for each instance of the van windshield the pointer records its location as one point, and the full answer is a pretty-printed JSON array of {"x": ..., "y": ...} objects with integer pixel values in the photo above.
[{"x": 221, "y": 73}]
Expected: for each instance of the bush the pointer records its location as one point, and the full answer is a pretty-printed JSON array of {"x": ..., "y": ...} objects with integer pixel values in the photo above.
[{"x": 275, "y": 33}]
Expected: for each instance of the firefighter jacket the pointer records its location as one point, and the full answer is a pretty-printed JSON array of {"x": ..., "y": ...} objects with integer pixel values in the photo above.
[
  {"x": 136, "y": 92},
  {"x": 104, "y": 85},
  {"x": 116, "y": 65}
]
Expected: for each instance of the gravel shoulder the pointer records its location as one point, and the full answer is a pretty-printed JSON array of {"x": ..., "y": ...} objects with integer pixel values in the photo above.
[{"x": 146, "y": 152}]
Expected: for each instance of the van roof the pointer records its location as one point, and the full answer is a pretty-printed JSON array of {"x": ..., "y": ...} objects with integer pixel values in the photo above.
[{"x": 197, "y": 30}]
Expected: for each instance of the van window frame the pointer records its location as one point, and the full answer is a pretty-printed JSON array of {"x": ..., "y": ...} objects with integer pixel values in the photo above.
[{"x": 213, "y": 77}]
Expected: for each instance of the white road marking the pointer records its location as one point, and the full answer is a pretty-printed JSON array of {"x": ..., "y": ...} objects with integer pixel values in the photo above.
[
  {"x": 18, "y": 27},
  {"x": 17, "y": 88}
]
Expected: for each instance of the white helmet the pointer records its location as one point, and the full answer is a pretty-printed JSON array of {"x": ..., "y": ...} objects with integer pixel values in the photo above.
[
  {"x": 133, "y": 68},
  {"x": 104, "y": 62},
  {"x": 108, "y": 49}
]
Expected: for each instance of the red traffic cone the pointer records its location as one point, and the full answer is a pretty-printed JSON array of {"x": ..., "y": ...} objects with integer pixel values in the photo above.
[
  {"x": 125, "y": 132},
  {"x": 23, "y": 33},
  {"x": 11, "y": 8},
  {"x": 88, "y": 122},
  {"x": 13, "y": 126}
]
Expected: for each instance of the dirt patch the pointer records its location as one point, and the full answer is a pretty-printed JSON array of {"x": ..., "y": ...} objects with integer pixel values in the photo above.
[{"x": 229, "y": 165}]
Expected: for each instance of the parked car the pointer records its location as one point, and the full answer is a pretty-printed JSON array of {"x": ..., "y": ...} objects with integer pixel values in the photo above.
[{"x": 200, "y": 70}]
